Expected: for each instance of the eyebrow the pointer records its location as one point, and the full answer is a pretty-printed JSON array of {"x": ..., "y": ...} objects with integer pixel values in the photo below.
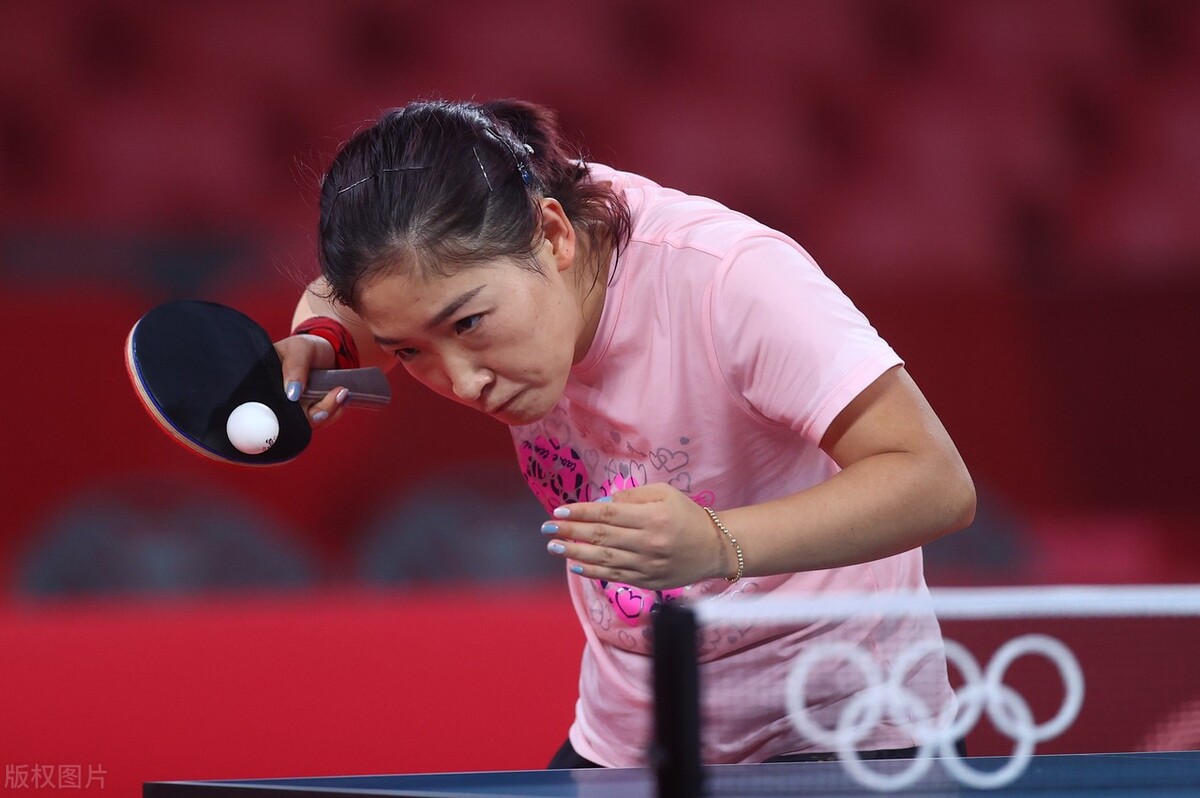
[{"x": 449, "y": 310}]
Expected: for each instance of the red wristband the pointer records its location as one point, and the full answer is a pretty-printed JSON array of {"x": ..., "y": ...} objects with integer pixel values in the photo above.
[{"x": 345, "y": 351}]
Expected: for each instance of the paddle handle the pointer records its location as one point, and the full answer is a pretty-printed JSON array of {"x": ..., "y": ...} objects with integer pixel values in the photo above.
[{"x": 368, "y": 387}]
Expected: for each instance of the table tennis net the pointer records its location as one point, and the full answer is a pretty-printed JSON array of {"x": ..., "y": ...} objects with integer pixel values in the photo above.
[{"x": 1032, "y": 671}]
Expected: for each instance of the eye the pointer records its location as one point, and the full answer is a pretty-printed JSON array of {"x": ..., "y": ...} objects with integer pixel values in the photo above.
[
  {"x": 468, "y": 323},
  {"x": 406, "y": 353}
]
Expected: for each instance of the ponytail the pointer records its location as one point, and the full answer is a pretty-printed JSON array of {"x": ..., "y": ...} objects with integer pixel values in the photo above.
[{"x": 561, "y": 172}]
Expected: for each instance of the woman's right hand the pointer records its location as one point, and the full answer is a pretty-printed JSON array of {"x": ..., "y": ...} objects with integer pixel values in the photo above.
[{"x": 300, "y": 354}]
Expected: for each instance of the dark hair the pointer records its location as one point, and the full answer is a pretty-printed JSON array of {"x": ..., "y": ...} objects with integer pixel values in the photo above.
[{"x": 439, "y": 184}]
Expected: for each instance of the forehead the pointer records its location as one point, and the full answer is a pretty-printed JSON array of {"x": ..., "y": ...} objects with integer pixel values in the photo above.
[
  {"x": 394, "y": 295},
  {"x": 419, "y": 283}
]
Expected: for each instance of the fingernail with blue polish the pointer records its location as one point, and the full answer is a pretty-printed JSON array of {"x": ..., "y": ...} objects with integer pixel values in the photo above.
[
  {"x": 554, "y": 547},
  {"x": 293, "y": 391},
  {"x": 576, "y": 569},
  {"x": 604, "y": 499},
  {"x": 549, "y": 528},
  {"x": 562, "y": 512},
  {"x": 342, "y": 396},
  {"x": 319, "y": 416}
]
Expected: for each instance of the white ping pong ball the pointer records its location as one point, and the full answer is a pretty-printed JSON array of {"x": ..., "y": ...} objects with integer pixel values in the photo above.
[{"x": 252, "y": 428}]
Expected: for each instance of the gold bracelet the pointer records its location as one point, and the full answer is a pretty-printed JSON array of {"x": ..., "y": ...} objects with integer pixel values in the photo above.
[{"x": 736, "y": 546}]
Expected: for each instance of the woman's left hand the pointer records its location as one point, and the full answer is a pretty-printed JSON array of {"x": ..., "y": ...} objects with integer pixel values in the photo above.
[{"x": 653, "y": 537}]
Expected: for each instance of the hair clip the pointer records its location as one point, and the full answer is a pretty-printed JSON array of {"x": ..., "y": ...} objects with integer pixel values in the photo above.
[
  {"x": 385, "y": 170},
  {"x": 479, "y": 161},
  {"x": 508, "y": 144},
  {"x": 344, "y": 189},
  {"x": 523, "y": 167}
]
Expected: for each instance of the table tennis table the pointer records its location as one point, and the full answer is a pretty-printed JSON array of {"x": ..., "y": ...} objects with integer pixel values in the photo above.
[{"x": 1164, "y": 775}]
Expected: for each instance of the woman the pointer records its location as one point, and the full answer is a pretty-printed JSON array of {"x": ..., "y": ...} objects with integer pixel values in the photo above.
[{"x": 700, "y": 410}]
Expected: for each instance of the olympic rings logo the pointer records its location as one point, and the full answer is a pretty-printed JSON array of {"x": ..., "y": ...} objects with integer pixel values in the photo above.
[{"x": 887, "y": 697}]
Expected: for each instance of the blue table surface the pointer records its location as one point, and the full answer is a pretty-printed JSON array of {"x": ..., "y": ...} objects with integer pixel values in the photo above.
[{"x": 1164, "y": 775}]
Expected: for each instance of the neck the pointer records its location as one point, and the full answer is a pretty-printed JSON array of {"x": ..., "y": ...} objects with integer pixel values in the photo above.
[{"x": 592, "y": 284}]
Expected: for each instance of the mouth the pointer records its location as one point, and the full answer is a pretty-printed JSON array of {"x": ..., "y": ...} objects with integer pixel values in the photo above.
[{"x": 504, "y": 406}]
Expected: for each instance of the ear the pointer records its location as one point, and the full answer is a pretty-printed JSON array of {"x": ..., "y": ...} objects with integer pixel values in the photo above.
[{"x": 559, "y": 233}]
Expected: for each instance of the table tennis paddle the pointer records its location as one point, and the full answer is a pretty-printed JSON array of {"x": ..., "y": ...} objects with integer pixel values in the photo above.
[{"x": 192, "y": 363}]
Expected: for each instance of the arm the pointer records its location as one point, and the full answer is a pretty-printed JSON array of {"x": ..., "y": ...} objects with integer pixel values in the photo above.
[{"x": 902, "y": 484}]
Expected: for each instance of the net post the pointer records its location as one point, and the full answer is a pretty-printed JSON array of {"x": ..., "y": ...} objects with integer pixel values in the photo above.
[{"x": 675, "y": 749}]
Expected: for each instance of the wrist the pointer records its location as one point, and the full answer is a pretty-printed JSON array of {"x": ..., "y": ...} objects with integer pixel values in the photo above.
[
  {"x": 325, "y": 357},
  {"x": 330, "y": 330},
  {"x": 731, "y": 546}
]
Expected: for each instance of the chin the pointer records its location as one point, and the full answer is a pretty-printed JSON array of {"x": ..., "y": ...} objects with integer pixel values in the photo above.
[
  {"x": 522, "y": 412},
  {"x": 519, "y": 419}
]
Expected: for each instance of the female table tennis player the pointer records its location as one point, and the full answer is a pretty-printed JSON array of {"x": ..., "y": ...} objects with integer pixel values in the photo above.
[{"x": 700, "y": 410}]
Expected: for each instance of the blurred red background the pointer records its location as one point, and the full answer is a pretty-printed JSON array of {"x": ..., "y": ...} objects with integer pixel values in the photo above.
[{"x": 1008, "y": 189}]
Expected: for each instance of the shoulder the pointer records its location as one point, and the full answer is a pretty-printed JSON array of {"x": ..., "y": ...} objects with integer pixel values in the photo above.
[{"x": 672, "y": 224}]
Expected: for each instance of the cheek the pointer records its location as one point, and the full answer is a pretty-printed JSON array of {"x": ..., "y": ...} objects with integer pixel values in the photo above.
[
  {"x": 534, "y": 347},
  {"x": 545, "y": 353},
  {"x": 558, "y": 330}
]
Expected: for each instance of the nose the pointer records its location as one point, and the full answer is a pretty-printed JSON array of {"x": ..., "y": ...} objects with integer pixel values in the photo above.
[{"x": 467, "y": 380}]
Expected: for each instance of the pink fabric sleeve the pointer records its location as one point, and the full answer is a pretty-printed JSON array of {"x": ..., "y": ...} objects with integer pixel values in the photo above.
[{"x": 787, "y": 340}]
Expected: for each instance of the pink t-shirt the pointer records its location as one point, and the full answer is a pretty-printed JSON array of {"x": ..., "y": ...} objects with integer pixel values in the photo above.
[{"x": 722, "y": 356}]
